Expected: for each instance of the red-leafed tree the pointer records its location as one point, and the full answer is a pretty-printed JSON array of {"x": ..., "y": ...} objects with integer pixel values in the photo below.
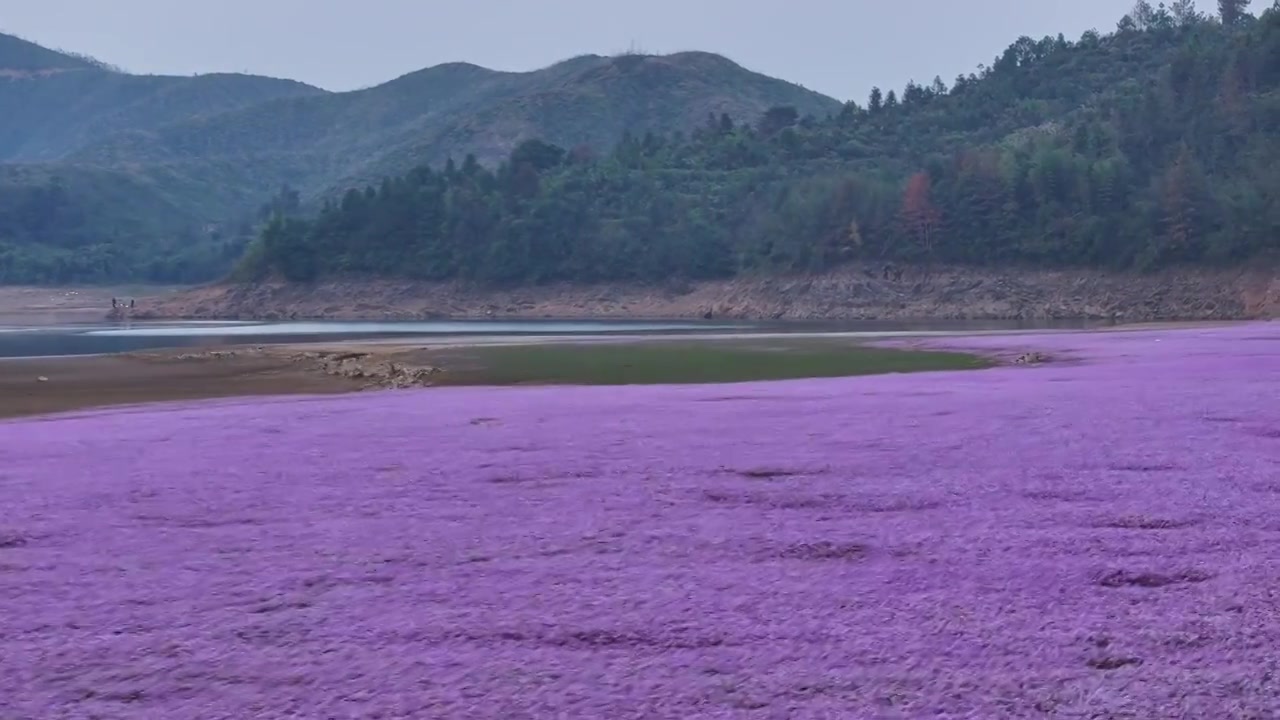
[
  {"x": 1232, "y": 103},
  {"x": 920, "y": 217},
  {"x": 1183, "y": 200}
]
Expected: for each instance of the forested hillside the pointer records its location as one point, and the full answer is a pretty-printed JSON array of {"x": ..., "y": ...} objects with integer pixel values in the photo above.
[
  {"x": 100, "y": 225},
  {"x": 1151, "y": 146},
  {"x": 74, "y": 222}
]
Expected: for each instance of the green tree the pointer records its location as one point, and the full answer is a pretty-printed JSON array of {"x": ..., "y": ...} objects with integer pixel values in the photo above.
[
  {"x": 1185, "y": 14},
  {"x": 776, "y": 119},
  {"x": 1143, "y": 15}
]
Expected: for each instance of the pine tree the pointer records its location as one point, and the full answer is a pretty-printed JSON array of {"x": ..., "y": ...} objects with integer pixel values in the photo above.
[
  {"x": 1233, "y": 12},
  {"x": 1143, "y": 15},
  {"x": 1179, "y": 205},
  {"x": 1185, "y": 13}
]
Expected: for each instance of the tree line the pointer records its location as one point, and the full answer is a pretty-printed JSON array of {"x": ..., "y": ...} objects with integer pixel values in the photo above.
[{"x": 1150, "y": 146}]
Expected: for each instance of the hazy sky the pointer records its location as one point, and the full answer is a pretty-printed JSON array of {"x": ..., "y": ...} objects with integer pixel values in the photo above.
[{"x": 840, "y": 47}]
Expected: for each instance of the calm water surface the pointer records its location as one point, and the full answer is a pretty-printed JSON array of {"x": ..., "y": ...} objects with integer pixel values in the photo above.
[{"x": 54, "y": 340}]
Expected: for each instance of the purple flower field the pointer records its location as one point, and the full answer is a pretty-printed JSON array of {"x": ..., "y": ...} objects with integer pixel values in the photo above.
[{"x": 1098, "y": 537}]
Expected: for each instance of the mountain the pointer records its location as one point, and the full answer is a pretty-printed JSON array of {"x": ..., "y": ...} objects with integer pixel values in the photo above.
[
  {"x": 55, "y": 103},
  {"x": 50, "y": 116},
  {"x": 64, "y": 222},
  {"x": 1156, "y": 146},
  {"x": 19, "y": 57},
  {"x": 453, "y": 110},
  {"x": 191, "y": 160}
]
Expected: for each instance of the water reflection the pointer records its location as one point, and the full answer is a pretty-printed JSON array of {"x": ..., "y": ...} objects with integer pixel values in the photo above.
[
  {"x": 125, "y": 337},
  {"x": 356, "y": 329},
  {"x": 100, "y": 338}
]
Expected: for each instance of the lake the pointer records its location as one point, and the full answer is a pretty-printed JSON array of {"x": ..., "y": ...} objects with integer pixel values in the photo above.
[{"x": 100, "y": 338}]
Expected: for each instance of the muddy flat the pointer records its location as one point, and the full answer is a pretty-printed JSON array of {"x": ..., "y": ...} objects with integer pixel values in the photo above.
[
  {"x": 32, "y": 386},
  {"x": 85, "y": 382}
]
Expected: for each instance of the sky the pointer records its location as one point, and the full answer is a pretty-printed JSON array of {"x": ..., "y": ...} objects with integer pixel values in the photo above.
[{"x": 838, "y": 47}]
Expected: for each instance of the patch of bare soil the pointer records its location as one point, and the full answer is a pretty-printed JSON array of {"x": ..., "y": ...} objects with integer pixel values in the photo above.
[
  {"x": 39, "y": 386},
  {"x": 48, "y": 385},
  {"x": 20, "y": 305},
  {"x": 851, "y": 294}
]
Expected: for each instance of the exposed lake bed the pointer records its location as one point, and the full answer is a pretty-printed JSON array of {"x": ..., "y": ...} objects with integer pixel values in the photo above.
[
  {"x": 64, "y": 368},
  {"x": 36, "y": 385}
]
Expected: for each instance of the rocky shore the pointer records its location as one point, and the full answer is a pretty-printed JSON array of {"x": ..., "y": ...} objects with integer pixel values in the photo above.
[
  {"x": 374, "y": 370},
  {"x": 852, "y": 294}
]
